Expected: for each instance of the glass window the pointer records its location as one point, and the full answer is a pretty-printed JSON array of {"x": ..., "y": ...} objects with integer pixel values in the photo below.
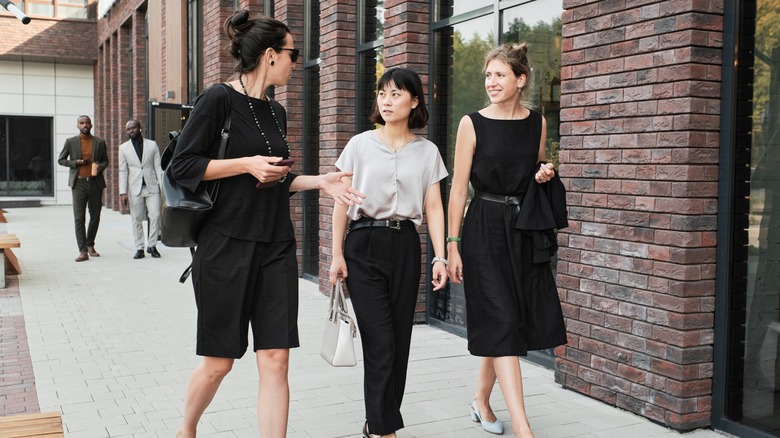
[
  {"x": 753, "y": 380},
  {"x": 310, "y": 244},
  {"x": 458, "y": 57},
  {"x": 538, "y": 24},
  {"x": 26, "y": 156},
  {"x": 459, "y": 90},
  {"x": 312, "y": 44},
  {"x": 194, "y": 51},
  {"x": 371, "y": 69},
  {"x": 452, "y": 8},
  {"x": 67, "y": 11},
  {"x": 373, "y": 26}
]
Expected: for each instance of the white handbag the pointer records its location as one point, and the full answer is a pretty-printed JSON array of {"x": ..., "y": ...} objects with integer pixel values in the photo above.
[{"x": 338, "y": 347}]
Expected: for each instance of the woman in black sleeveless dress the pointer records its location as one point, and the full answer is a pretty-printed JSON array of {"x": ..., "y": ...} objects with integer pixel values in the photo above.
[{"x": 512, "y": 302}]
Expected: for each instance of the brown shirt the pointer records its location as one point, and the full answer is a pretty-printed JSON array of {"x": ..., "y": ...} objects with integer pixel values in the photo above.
[{"x": 86, "y": 153}]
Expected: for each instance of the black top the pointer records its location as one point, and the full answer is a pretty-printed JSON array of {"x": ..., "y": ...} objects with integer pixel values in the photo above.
[{"x": 241, "y": 211}]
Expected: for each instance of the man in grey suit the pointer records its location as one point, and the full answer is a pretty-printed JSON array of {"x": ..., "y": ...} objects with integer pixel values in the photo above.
[
  {"x": 87, "y": 157},
  {"x": 139, "y": 182}
]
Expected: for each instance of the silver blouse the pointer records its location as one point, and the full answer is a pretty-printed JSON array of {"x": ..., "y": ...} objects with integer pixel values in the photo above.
[{"x": 395, "y": 183}]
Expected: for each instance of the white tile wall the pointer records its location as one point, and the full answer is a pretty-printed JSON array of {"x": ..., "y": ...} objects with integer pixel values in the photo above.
[
  {"x": 39, "y": 85},
  {"x": 61, "y": 91}
]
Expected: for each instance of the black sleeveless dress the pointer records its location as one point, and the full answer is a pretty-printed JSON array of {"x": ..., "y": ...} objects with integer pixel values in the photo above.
[{"x": 512, "y": 303}]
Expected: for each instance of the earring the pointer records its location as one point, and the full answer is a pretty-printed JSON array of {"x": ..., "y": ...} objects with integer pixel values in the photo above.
[{"x": 272, "y": 62}]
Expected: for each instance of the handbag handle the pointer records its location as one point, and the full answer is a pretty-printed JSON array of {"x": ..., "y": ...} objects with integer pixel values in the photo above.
[
  {"x": 223, "y": 141},
  {"x": 337, "y": 307},
  {"x": 338, "y": 302}
]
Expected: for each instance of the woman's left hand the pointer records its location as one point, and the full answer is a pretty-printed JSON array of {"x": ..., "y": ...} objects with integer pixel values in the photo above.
[
  {"x": 338, "y": 186},
  {"x": 439, "y": 275},
  {"x": 545, "y": 173}
]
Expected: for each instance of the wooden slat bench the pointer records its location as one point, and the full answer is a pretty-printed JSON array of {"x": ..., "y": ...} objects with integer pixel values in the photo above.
[
  {"x": 45, "y": 425},
  {"x": 7, "y": 258}
]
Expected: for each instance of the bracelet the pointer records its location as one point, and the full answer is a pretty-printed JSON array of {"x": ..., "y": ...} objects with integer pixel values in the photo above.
[
  {"x": 453, "y": 239},
  {"x": 439, "y": 259}
]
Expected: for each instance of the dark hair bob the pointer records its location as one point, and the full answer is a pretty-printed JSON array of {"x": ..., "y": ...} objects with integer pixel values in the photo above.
[
  {"x": 250, "y": 38},
  {"x": 407, "y": 80}
]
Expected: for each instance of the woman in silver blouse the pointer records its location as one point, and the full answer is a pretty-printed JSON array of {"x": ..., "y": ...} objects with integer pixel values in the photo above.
[{"x": 399, "y": 173}]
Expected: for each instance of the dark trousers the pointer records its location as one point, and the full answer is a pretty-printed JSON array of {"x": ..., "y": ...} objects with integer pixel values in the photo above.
[
  {"x": 384, "y": 275},
  {"x": 86, "y": 193}
]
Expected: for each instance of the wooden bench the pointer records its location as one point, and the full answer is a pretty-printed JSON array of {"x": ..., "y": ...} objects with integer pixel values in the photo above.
[
  {"x": 46, "y": 425},
  {"x": 7, "y": 258}
]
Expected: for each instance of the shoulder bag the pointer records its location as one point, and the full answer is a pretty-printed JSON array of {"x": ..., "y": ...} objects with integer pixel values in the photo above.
[{"x": 185, "y": 212}]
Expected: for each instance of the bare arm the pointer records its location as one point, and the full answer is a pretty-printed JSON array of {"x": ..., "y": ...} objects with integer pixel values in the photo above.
[
  {"x": 546, "y": 171},
  {"x": 465, "y": 145},
  {"x": 434, "y": 213},
  {"x": 338, "y": 266},
  {"x": 337, "y": 185}
]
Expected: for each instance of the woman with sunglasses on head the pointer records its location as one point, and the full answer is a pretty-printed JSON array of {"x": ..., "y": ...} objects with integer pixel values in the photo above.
[
  {"x": 400, "y": 174},
  {"x": 245, "y": 269},
  {"x": 512, "y": 303}
]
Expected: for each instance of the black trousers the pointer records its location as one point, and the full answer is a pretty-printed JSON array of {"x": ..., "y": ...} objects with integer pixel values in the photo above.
[
  {"x": 384, "y": 275},
  {"x": 86, "y": 193}
]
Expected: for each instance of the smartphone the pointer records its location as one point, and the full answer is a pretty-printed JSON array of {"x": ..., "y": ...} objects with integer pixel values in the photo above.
[
  {"x": 287, "y": 162},
  {"x": 265, "y": 185}
]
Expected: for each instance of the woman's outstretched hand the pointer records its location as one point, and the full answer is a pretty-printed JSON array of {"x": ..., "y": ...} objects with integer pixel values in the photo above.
[{"x": 338, "y": 186}]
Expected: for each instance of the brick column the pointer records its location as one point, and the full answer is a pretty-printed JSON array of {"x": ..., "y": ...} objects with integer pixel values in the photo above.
[
  {"x": 290, "y": 12},
  {"x": 406, "y": 44},
  {"x": 337, "y": 104},
  {"x": 639, "y": 156},
  {"x": 139, "y": 98},
  {"x": 217, "y": 62}
]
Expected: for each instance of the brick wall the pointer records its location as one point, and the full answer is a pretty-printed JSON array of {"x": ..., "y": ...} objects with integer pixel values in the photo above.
[
  {"x": 406, "y": 45},
  {"x": 217, "y": 63},
  {"x": 41, "y": 40},
  {"x": 337, "y": 104},
  {"x": 639, "y": 156}
]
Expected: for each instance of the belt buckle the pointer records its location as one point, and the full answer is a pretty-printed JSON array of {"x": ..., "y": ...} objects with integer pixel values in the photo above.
[
  {"x": 397, "y": 225},
  {"x": 507, "y": 200}
]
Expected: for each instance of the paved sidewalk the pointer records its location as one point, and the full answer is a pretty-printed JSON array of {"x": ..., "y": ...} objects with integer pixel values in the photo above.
[{"x": 112, "y": 346}]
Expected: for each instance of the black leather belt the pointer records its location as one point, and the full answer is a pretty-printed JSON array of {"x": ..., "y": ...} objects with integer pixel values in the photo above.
[
  {"x": 508, "y": 200},
  {"x": 395, "y": 225},
  {"x": 87, "y": 178}
]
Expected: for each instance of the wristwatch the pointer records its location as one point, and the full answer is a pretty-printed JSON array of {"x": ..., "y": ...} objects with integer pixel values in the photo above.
[{"x": 439, "y": 259}]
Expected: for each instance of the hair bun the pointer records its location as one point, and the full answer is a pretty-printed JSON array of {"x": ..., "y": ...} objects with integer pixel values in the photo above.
[
  {"x": 239, "y": 19},
  {"x": 521, "y": 47}
]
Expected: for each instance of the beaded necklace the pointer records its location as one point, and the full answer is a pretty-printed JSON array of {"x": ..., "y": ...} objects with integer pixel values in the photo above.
[{"x": 257, "y": 123}]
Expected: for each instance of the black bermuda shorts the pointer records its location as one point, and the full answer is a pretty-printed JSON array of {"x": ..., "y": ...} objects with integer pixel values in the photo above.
[{"x": 239, "y": 282}]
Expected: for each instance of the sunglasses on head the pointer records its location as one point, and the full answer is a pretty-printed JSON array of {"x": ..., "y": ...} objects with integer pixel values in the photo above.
[{"x": 293, "y": 53}]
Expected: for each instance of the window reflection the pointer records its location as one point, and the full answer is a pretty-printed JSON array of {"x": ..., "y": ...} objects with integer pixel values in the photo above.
[
  {"x": 460, "y": 90},
  {"x": 761, "y": 381},
  {"x": 27, "y": 143},
  {"x": 539, "y": 25}
]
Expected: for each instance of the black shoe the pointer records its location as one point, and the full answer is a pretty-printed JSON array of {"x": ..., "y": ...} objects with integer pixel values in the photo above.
[
  {"x": 139, "y": 254},
  {"x": 153, "y": 251}
]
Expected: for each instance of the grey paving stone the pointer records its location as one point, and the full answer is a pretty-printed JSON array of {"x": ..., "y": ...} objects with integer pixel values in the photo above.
[{"x": 112, "y": 345}]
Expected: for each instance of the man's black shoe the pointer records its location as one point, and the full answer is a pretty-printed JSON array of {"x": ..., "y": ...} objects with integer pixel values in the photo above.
[
  {"x": 153, "y": 251},
  {"x": 139, "y": 254}
]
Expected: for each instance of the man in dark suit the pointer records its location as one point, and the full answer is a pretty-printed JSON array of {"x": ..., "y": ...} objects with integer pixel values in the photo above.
[{"x": 87, "y": 158}]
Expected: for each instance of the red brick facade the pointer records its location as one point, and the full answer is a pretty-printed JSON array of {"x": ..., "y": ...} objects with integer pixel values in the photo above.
[
  {"x": 42, "y": 40},
  {"x": 640, "y": 113}
]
